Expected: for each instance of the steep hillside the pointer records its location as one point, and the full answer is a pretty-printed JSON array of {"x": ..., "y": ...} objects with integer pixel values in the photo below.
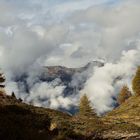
[
  {"x": 25, "y": 122},
  {"x": 124, "y": 121},
  {"x": 129, "y": 111},
  {"x": 19, "y": 122}
]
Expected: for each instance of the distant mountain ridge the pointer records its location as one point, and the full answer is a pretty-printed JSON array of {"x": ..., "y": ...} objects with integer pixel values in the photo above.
[
  {"x": 65, "y": 75},
  {"x": 60, "y": 71},
  {"x": 56, "y": 70},
  {"x": 72, "y": 79}
]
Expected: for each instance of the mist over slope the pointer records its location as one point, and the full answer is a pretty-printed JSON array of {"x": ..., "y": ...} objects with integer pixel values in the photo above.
[
  {"x": 54, "y": 86},
  {"x": 34, "y": 34}
]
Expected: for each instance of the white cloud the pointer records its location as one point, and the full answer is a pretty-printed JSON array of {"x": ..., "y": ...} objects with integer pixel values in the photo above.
[
  {"x": 101, "y": 87},
  {"x": 37, "y": 33}
]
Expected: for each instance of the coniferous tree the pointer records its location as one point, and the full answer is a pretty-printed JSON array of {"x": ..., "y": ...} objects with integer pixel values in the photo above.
[
  {"x": 2, "y": 80},
  {"x": 136, "y": 82},
  {"x": 85, "y": 108},
  {"x": 13, "y": 95},
  {"x": 124, "y": 94}
]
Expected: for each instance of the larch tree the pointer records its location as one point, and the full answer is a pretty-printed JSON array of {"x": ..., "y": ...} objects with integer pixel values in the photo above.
[
  {"x": 136, "y": 82},
  {"x": 124, "y": 94},
  {"x": 85, "y": 108}
]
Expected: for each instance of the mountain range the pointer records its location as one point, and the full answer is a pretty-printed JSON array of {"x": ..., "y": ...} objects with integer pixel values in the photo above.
[{"x": 73, "y": 79}]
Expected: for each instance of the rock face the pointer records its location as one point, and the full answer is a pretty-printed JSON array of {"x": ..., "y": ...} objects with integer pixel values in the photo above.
[
  {"x": 58, "y": 71},
  {"x": 64, "y": 72}
]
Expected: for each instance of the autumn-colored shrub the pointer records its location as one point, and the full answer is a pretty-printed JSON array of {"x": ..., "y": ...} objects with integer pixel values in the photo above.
[{"x": 124, "y": 94}]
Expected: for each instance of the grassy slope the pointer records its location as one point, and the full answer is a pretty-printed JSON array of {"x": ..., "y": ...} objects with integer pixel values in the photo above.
[
  {"x": 124, "y": 120},
  {"x": 25, "y": 122},
  {"x": 129, "y": 111},
  {"x": 22, "y": 121}
]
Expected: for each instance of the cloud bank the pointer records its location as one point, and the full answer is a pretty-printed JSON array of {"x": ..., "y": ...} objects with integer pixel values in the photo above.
[{"x": 35, "y": 33}]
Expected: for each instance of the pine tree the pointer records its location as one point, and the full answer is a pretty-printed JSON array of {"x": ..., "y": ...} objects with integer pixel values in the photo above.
[
  {"x": 13, "y": 95},
  {"x": 85, "y": 108},
  {"x": 124, "y": 94},
  {"x": 136, "y": 82}
]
